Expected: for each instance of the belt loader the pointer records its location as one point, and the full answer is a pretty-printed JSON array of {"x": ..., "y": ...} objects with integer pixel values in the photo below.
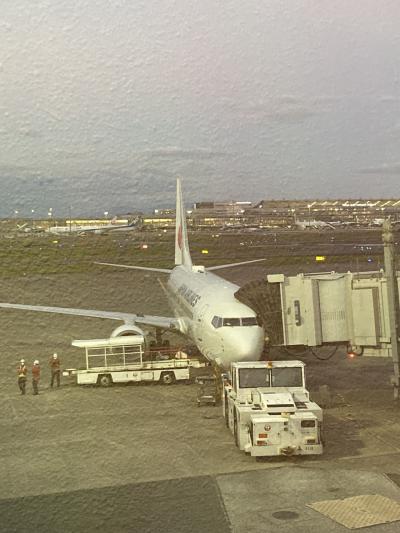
[{"x": 268, "y": 409}]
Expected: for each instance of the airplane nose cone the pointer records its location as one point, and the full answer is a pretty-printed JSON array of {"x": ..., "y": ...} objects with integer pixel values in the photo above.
[{"x": 245, "y": 346}]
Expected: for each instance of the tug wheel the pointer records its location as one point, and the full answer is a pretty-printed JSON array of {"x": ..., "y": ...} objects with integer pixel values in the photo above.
[
  {"x": 226, "y": 411},
  {"x": 235, "y": 430},
  {"x": 167, "y": 378},
  {"x": 104, "y": 380}
]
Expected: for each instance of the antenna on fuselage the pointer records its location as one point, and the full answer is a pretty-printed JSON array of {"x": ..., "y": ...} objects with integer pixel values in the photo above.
[{"x": 182, "y": 254}]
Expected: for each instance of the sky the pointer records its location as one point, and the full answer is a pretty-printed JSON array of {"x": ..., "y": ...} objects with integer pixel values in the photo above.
[{"x": 103, "y": 103}]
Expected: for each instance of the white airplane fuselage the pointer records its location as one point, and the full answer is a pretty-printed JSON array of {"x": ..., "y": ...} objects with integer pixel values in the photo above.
[{"x": 211, "y": 316}]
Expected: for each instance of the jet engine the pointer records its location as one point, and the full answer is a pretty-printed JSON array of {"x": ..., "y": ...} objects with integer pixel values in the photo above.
[{"x": 127, "y": 329}]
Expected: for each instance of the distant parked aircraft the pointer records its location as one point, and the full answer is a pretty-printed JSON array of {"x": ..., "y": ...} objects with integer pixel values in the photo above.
[
  {"x": 95, "y": 228},
  {"x": 313, "y": 224}
]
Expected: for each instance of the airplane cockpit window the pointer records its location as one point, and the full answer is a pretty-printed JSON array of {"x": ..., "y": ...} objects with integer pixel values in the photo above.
[
  {"x": 250, "y": 321},
  {"x": 216, "y": 321},
  {"x": 231, "y": 322}
]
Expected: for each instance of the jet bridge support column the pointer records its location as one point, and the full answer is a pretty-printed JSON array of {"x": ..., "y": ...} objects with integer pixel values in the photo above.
[{"x": 393, "y": 300}]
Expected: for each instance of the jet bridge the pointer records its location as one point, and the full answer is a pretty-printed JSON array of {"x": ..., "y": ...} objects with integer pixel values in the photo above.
[
  {"x": 324, "y": 309},
  {"x": 332, "y": 308}
]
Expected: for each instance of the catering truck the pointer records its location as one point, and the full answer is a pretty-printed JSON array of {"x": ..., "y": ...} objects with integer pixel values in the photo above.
[
  {"x": 124, "y": 359},
  {"x": 268, "y": 409}
]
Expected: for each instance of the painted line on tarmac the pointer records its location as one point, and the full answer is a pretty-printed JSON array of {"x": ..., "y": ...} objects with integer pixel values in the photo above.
[{"x": 366, "y": 456}]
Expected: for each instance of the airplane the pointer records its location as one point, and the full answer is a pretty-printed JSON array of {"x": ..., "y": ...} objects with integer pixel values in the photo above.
[
  {"x": 132, "y": 226},
  {"x": 25, "y": 228},
  {"x": 313, "y": 224},
  {"x": 206, "y": 309},
  {"x": 97, "y": 228}
]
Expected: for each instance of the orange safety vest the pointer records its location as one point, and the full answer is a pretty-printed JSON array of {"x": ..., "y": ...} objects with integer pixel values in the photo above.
[
  {"x": 54, "y": 364},
  {"x": 36, "y": 372},
  {"x": 22, "y": 371}
]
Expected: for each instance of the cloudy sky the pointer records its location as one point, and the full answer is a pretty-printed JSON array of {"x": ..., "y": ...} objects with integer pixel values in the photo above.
[{"x": 104, "y": 102}]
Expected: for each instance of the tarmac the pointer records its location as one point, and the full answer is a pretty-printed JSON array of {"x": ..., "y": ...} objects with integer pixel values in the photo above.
[
  {"x": 259, "y": 501},
  {"x": 145, "y": 458}
]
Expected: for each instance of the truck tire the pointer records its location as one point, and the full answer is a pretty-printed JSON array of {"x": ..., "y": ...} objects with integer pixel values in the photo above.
[
  {"x": 104, "y": 380},
  {"x": 167, "y": 378},
  {"x": 226, "y": 411},
  {"x": 235, "y": 430}
]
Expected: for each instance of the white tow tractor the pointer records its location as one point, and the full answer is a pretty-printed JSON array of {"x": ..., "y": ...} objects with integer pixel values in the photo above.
[
  {"x": 124, "y": 359},
  {"x": 268, "y": 409}
]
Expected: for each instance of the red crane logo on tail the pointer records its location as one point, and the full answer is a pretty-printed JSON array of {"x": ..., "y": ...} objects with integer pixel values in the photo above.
[{"x": 180, "y": 237}]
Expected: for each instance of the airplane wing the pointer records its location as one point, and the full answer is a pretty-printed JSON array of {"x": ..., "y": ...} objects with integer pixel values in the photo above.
[
  {"x": 168, "y": 271},
  {"x": 164, "y": 270},
  {"x": 229, "y": 265},
  {"x": 149, "y": 320}
]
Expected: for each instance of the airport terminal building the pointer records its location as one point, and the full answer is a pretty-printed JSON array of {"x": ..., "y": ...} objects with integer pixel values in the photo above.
[{"x": 281, "y": 213}]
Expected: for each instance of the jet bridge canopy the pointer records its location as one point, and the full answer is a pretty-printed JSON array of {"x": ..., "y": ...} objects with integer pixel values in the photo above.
[{"x": 323, "y": 309}]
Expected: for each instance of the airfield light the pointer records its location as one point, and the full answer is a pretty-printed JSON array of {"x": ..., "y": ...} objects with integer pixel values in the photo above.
[
  {"x": 144, "y": 246},
  {"x": 320, "y": 258},
  {"x": 204, "y": 251}
]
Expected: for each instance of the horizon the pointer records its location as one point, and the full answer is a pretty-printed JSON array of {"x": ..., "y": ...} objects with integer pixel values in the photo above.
[{"x": 111, "y": 100}]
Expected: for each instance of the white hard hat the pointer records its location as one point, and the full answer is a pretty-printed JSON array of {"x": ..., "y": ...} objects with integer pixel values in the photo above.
[
  {"x": 55, "y": 355},
  {"x": 36, "y": 362},
  {"x": 22, "y": 360}
]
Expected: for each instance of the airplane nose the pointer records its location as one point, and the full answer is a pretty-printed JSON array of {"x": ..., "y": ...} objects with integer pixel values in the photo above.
[{"x": 245, "y": 347}]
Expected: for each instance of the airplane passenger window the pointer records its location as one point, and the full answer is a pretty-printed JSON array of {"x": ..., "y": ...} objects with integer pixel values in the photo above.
[
  {"x": 231, "y": 322},
  {"x": 249, "y": 321}
]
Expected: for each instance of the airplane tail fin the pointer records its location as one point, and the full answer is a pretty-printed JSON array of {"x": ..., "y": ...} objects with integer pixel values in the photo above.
[{"x": 182, "y": 254}]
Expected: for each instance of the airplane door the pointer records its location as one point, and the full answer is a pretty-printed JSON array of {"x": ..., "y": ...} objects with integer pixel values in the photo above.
[
  {"x": 201, "y": 334},
  {"x": 201, "y": 321}
]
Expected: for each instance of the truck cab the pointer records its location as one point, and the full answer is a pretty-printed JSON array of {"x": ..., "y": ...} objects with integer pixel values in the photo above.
[{"x": 268, "y": 409}]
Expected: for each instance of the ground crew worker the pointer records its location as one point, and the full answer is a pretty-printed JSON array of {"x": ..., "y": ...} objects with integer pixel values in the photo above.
[
  {"x": 35, "y": 377},
  {"x": 55, "y": 367},
  {"x": 22, "y": 372}
]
